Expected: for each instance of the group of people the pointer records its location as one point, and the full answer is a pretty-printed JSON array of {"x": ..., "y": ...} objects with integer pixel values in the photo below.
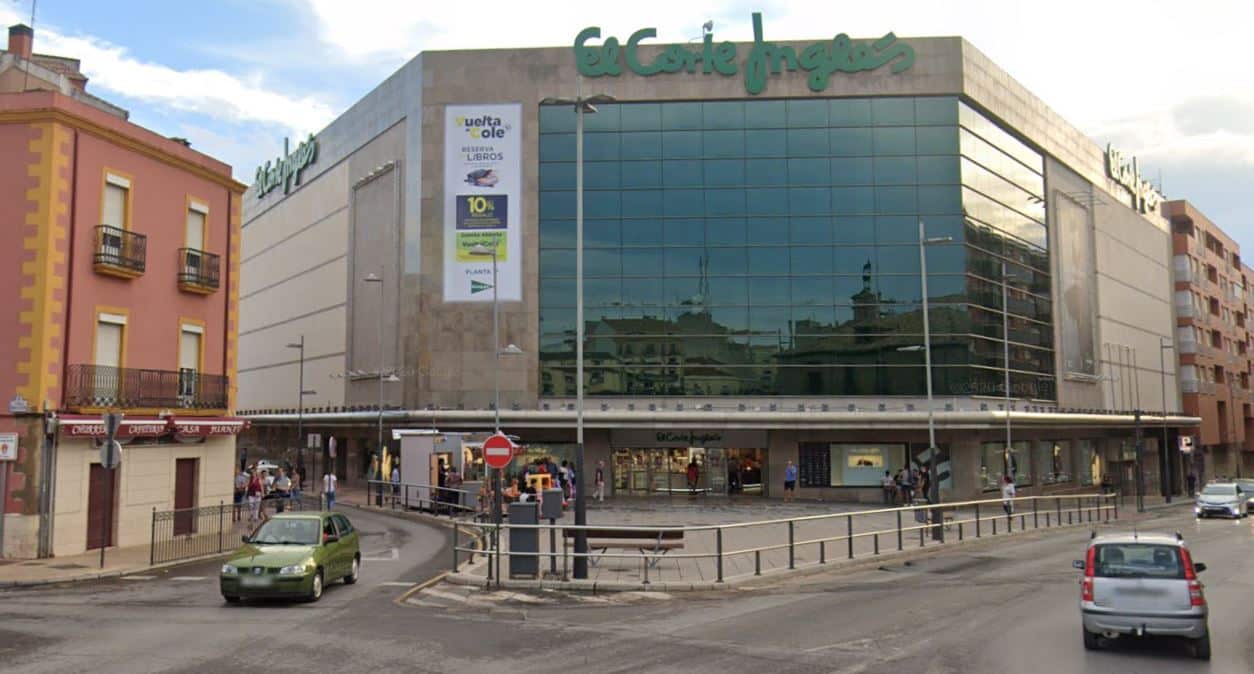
[
  {"x": 906, "y": 486},
  {"x": 253, "y": 485}
]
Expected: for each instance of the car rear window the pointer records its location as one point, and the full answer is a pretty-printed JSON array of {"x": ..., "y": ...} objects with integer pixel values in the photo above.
[{"x": 1138, "y": 560}]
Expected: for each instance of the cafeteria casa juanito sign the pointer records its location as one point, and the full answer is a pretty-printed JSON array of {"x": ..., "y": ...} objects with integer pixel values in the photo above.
[{"x": 820, "y": 60}]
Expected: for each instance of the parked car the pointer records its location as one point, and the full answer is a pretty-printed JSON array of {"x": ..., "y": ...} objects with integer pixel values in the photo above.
[
  {"x": 1247, "y": 486},
  {"x": 1142, "y": 585},
  {"x": 293, "y": 555},
  {"x": 1222, "y": 498}
]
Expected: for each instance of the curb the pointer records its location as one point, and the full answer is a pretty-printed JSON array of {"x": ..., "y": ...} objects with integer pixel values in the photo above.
[
  {"x": 752, "y": 582},
  {"x": 4, "y": 585}
]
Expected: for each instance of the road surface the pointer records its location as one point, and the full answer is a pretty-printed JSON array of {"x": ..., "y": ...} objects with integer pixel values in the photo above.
[{"x": 1002, "y": 608}]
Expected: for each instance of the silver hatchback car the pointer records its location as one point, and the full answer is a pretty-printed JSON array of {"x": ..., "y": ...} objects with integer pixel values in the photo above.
[{"x": 1142, "y": 584}]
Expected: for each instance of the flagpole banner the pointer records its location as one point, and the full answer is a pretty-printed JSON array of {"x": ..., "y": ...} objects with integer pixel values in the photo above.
[{"x": 482, "y": 188}]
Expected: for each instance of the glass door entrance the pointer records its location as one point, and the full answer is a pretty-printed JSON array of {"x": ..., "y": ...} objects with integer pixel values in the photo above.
[{"x": 664, "y": 471}]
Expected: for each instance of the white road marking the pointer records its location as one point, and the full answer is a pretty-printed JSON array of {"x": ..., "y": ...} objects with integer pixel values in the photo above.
[
  {"x": 190, "y": 578},
  {"x": 396, "y": 583},
  {"x": 138, "y": 577},
  {"x": 395, "y": 555}
]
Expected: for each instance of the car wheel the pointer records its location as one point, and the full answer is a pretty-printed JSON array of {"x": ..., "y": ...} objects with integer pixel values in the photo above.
[
  {"x": 1092, "y": 641},
  {"x": 315, "y": 590},
  {"x": 1201, "y": 647},
  {"x": 230, "y": 598},
  {"x": 355, "y": 573}
]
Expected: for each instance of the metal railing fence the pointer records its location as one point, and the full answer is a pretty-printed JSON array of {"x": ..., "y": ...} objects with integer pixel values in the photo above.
[
  {"x": 425, "y": 497},
  {"x": 194, "y": 532},
  {"x": 806, "y": 540}
]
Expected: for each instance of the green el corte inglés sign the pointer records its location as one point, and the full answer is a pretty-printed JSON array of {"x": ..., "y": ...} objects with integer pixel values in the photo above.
[
  {"x": 820, "y": 60},
  {"x": 286, "y": 168}
]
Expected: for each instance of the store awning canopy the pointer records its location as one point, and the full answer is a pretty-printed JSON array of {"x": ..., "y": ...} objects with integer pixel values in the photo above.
[{"x": 87, "y": 426}]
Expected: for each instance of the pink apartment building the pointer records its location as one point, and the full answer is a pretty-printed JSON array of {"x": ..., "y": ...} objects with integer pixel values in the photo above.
[{"x": 119, "y": 274}]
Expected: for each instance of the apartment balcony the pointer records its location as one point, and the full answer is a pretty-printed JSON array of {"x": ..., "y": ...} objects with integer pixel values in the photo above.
[
  {"x": 1187, "y": 346},
  {"x": 1185, "y": 311},
  {"x": 198, "y": 271},
  {"x": 119, "y": 252},
  {"x": 102, "y": 386},
  {"x": 1195, "y": 386}
]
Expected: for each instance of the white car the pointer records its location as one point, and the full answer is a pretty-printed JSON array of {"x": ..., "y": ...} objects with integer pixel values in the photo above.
[{"x": 1222, "y": 498}]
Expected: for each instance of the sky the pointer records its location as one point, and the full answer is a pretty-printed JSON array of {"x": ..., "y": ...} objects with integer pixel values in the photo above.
[{"x": 1167, "y": 81}]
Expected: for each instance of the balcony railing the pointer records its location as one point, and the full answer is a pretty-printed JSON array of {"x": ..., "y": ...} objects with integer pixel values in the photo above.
[
  {"x": 119, "y": 252},
  {"x": 198, "y": 271},
  {"x": 90, "y": 386}
]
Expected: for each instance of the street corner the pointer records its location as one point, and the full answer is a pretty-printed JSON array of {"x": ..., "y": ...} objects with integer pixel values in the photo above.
[{"x": 446, "y": 595}]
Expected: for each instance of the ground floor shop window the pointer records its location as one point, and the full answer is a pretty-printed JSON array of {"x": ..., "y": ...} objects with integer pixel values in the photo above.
[
  {"x": 1087, "y": 462},
  {"x": 848, "y": 464},
  {"x": 660, "y": 471},
  {"x": 1053, "y": 461},
  {"x": 997, "y": 461},
  {"x": 544, "y": 452}
]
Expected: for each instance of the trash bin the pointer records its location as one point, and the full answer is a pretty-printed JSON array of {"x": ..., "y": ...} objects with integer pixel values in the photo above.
[
  {"x": 551, "y": 504},
  {"x": 524, "y": 540}
]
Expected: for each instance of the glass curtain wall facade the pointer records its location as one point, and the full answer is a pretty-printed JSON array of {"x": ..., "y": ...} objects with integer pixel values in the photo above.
[{"x": 770, "y": 247}]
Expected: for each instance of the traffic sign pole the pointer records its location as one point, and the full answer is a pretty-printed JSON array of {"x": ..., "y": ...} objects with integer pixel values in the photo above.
[
  {"x": 498, "y": 451},
  {"x": 109, "y": 461}
]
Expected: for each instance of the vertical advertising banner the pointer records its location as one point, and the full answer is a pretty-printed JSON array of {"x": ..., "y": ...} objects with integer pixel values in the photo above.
[{"x": 482, "y": 192}]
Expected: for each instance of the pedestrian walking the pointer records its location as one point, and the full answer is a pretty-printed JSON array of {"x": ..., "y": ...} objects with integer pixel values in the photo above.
[
  {"x": 1008, "y": 495},
  {"x": 1192, "y": 483},
  {"x": 925, "y": 484},
  {"x": 282, "y": 490},
  {"x": 564, "y": 473},
  {"x": 241, "y": 488},
  {"x": 599, "y": 478},
  {"x": 396, "y": 482},
  {"x": 790, "y": 481},
  {"x": 889, "y": 487},
  {"x": 454, "y": 483},
  {"x": 296, "y": 485},
  {"x": 254, "y": 492},
  {"x": 328, "y": 489},
  {"x": 694, "y": 477}
]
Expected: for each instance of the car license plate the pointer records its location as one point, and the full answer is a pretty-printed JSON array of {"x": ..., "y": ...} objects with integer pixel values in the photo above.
[{"x": 255, "y": 581}]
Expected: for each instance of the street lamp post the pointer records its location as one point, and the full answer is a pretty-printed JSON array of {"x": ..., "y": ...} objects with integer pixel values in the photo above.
[
  {"x": 300, "y": 406},
  {"x": 582, "y": 105},
  {"x": 1005, "y": 346},
  {"x": 373, "y": 278},
  {"x": 938, "y": 532},
  {"x": 1163, "y": 346},
  {"x": 511, "y": 350}
]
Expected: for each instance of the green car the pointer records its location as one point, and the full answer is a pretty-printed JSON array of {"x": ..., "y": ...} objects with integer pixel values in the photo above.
[{"x": 294, "y": 556}]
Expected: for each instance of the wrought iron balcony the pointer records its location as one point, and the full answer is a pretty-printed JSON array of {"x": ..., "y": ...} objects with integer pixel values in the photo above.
[
  {"x": 98, "y": 386},
  {"x": 198, "y": 271},
  {"x": 119, "y": 252}
]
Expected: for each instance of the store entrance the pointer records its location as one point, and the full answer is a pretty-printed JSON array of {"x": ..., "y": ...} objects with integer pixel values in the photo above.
[{"x": 663, "y": 471}]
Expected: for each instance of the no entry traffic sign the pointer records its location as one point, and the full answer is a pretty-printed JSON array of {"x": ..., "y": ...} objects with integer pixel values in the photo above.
[{"x": 498, "y": 451}]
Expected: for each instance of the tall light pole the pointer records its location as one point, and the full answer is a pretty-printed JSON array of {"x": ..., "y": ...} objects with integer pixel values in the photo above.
[
  {"x": 511, "y": 350},
  {"x": 933, "y": 451},
  {"x": 300, "y": 406},
  {"x": 582, "y": 105},
  {"x": 1005, "y": 350},
  {"x": 372, "y": 278},
  {"x": 1163, "y": 346}
]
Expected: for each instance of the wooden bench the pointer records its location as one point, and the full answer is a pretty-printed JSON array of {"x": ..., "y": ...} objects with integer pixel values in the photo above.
[{"x": 646, "y": 541}]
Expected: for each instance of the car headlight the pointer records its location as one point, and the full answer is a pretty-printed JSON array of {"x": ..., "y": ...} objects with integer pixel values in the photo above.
[
  {"x": 229, "y": 570},
  {"x": 293, "y": 570}
]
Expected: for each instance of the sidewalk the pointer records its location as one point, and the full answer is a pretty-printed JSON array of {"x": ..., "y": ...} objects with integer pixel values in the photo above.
[
  {"x": 815, "y": 542},
  {"x": 118, "y": 562}
]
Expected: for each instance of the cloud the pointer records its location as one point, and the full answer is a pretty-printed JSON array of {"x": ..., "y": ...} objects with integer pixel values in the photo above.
[{"x": 210, "y": 92}]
